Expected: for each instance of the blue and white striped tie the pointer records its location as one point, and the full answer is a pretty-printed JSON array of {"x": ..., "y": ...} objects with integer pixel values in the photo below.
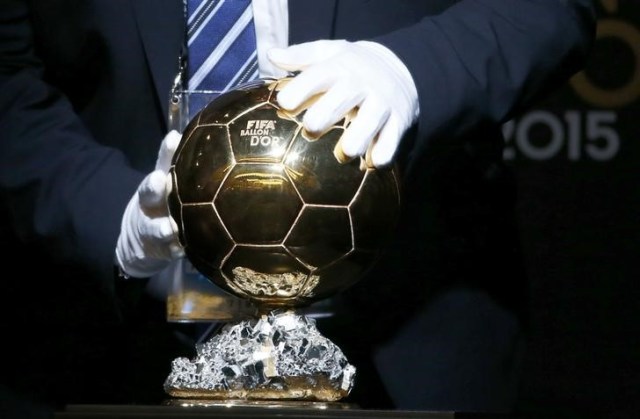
[{"x": 222, "y": 44}]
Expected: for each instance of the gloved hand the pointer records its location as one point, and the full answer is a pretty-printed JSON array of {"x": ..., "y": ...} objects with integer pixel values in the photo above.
[
  {"x": 148, "y": 239},
  {"x": 359, "y": 75}
]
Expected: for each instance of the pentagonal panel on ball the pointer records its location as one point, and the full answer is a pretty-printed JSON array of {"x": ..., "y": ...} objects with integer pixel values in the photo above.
[
  {"x": 261, "y": 135},
  {"x": 321, "y": 235},
  {"x": 375, "y": 209},
  {"x": 318, "y": 175},
  {"x": 201, "y": 163},
  {"x": 258, "y": 203},
  {"x": 204, "y": 235}
]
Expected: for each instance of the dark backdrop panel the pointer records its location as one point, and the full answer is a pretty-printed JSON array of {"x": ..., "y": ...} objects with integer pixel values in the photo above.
[{"x": 577, "y": 158}]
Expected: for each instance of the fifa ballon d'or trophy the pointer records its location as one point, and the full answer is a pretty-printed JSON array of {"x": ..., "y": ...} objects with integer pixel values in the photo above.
[{"x": 282, "y": 219}]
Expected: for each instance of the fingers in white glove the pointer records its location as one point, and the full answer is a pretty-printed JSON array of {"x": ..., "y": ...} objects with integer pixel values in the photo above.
[
  {"x": 152, "y": 193},
  {"x": 386, "y": 144},
  {"x": 303, "y": 87},
  {"x": 364, "y": 78},
  {"x": 156, "y": 229},
  {"x": 148, "y": 239},
  {"x": 332, "y": 107},
  {"x": 167, "y": 149},
  {"x": 362, "y": 132},
  {"x": 146, "y": 244}
]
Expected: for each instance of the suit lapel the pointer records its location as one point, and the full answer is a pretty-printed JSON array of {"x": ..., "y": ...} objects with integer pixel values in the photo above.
[
  {"x": 310, "y": 20},
  {"x": 161, "y": 28}
]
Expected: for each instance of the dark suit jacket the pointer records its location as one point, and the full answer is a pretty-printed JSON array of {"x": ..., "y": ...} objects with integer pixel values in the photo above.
[{"x": 83, "y": 94}]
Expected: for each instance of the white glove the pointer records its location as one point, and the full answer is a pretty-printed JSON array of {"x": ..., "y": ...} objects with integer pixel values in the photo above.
[
  {"x": 359, "y": 75},
  {"x": 148, "y": 239}
]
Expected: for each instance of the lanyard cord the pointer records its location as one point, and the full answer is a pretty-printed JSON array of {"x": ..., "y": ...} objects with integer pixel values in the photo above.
[
  {"x": 180, "y": 81},
  {"x": 184, "y": 52}
]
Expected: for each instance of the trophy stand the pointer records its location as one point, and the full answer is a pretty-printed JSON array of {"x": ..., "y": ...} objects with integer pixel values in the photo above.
[
  {"x": 271, "y": 216},
  {"x": 275, "y": 356}
]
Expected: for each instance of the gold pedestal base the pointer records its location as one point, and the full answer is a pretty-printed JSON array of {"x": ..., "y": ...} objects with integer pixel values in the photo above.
[
  {"x": 293, "y": 388},
  {"x": 266, "y": 404}
]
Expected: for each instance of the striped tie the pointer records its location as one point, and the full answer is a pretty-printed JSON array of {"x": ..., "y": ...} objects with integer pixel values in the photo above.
[{"x": 222, "y": 44}]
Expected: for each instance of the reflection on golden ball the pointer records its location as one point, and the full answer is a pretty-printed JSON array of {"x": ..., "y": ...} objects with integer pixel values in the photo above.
[{"x": 268, "y": 213}]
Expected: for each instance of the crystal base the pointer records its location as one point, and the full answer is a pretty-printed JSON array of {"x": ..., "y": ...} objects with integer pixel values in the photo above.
[{"x": 279, "y": 356}]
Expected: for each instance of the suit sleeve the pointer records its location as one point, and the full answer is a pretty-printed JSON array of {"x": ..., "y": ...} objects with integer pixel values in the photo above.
[
  {"x": 482, "y": 61},
  {"x": 64, "y": 192}
]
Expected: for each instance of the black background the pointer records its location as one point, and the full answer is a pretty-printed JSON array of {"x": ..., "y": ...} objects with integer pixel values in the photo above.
[{"x": 579, "y": 215}]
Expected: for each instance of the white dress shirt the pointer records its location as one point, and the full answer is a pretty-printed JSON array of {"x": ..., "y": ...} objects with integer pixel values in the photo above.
[{"x": 271, "y": 20}]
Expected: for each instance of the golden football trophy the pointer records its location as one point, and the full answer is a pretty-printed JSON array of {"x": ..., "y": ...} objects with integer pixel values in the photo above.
[{"x": 279, "y": 218}]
